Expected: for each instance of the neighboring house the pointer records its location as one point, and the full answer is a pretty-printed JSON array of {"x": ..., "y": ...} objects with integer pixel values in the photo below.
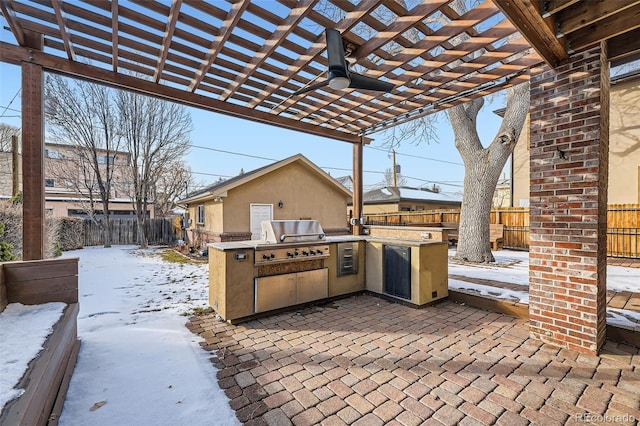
[
  {"x": 346, "y": 181},
  {"x": 404, "y": 199},
  {"x": 502, "y": 194},
  {"x": 64, "y": 174},
  {"x": 624, "y": 147},
  {"x": 293, "y": 188}
]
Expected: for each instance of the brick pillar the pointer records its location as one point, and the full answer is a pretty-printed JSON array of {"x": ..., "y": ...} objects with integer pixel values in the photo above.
[{"x": 569, "y": 172}]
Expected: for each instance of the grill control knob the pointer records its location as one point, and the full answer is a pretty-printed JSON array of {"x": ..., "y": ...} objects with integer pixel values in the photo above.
[
  {"x": 319, "y": 251},
  {"x": 272, "y": 255},
  {"x": 304, "y": 253},
  {"x": 266, "y": 256},
  {"x": 295, "y": 253},
  {"x": 312, "y": 252},
  {"x": 289, "y": 254}
]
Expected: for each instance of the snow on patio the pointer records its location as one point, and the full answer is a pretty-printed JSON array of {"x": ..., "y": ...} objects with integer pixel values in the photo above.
[
  {"x": 138, "y": 363},
  {"x": 512, "y": 267}
]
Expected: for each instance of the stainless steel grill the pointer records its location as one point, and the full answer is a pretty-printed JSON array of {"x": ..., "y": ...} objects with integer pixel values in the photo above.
[
  {"x": 304, "y": 240},
  {"x": 289, "y": 231}
]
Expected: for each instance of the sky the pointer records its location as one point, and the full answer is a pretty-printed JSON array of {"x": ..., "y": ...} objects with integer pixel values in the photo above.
[
  {"x": 440, "y": 162},
  {"x": 139, "y": 364}
]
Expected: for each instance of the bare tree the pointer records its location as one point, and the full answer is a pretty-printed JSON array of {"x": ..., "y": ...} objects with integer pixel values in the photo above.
[
  {"x": 389, "y": 181},
  {"x": 7, "y": 174},
  {"x": 156, "y": 134},
  {"x": 172, "y": 185},
  {"x": 6, "y": 132},
  {"x": 81, "y": 115},
  {"x": 483, "y": 167}
]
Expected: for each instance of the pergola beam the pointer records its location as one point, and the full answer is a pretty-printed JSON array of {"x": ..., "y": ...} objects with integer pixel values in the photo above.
[
  {"x": 15, "y": 54},
  {"x": 539, "y": 32},
  {"x": 33, "y": 234},
  {"x": 168, "y": 35}
]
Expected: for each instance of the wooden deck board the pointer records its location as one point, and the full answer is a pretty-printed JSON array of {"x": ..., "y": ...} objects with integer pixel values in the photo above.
[{"x": 620, "y": 299}]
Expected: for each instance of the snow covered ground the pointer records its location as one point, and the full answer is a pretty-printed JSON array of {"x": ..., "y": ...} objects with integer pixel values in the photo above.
[{"x": 138, "y": 363}]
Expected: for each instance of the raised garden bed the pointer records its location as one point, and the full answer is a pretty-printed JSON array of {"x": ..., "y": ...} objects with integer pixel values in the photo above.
[{"x": 46, "y": 379}]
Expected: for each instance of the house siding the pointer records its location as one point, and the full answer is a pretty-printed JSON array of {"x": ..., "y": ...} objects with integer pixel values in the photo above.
[
  {"x": 304, "y": 194},
  {"x": 624, "y": 150}
]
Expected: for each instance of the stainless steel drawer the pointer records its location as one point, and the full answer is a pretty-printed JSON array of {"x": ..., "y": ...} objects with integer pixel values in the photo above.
[{"x": 347, "y": 258}]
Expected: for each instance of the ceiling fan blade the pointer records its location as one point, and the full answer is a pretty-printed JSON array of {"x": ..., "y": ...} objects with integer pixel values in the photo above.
[
  {"x": 335, "y": 55},
  {"x": 359, "y": 81},
  {"x": 311, "y": 88}
]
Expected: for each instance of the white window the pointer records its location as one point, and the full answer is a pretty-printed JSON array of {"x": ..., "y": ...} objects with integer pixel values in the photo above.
[
  {"x": 201, "y": 214},
  {"x": 52, "y": 153},
  {"x": 102, "y": 159}
]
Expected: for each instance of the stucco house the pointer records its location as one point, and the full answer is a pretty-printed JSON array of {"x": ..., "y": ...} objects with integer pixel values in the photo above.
[
  {"x": 624, "y": 147},
  {"x": 405, "y": 199},
  {"x": 293, "y": 188}
]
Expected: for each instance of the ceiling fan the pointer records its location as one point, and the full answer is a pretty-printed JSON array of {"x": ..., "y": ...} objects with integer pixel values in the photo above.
[{"x": 338, "y": 75}]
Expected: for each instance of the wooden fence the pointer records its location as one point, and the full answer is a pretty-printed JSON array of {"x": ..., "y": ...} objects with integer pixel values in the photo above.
[
  {"x": 623, "y": 225},
  {"x": 125, "y": 231}
]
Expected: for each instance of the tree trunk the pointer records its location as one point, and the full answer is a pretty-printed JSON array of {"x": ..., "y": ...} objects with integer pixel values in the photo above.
[
  {"x": 482, "y": 168},
  {"x": 479, "y": 185}
]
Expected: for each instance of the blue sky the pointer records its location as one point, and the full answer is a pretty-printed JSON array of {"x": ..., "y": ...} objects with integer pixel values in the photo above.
[{"x": 440, "y": 162}]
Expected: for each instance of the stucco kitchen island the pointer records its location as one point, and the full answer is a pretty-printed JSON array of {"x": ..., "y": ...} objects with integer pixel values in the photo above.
[{"x": 250, "y": 278}]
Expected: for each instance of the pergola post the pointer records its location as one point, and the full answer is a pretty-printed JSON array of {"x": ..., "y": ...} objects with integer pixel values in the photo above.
[
  {"x": 33, "y": 211},
  {"x": 357, "y": 187},
  {"x": 569, "y": 172}
]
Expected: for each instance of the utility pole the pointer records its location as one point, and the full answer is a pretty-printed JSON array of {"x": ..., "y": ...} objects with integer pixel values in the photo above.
[
  {"x": 395, "y": 180},
  {"x": 15, "y": 185}
]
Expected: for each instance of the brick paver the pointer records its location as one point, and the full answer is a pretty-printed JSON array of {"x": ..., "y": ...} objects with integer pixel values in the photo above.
[{"x": 365, "y": 361}]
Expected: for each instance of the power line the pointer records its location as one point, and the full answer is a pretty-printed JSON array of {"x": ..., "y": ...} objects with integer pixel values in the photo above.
[
  {"x": 416, "y": 156},
  {"x": 233, "y": 153},
  {"x": 269, "y": 159},
  {"x": 434, "y": 181},
  {"x": 6, "y": 108},
  {"x": 12, "y": 99}
]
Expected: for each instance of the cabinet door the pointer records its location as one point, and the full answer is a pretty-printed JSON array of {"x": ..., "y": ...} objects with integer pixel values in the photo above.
[
  {"x": 275, "y": 292},
  {"x": 397, "y": 271},
  {"x": 313, "y": 285}
]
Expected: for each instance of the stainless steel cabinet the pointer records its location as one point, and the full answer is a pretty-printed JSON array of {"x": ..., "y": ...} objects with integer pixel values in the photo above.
[
  {"x": 280, "y": 291},
  {"x": 312, "y": 285},
  {"x": 275, "y": 292}
]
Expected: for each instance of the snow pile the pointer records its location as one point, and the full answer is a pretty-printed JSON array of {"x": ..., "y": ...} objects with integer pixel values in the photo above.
[{"x": 23, "y": 331}]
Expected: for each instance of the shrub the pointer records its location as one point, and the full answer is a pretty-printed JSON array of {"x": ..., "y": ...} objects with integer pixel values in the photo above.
[
  {"x": 11, "y": 216},
  {"x": 6, "y": 249},
  {"x": 71, "y": 234}
]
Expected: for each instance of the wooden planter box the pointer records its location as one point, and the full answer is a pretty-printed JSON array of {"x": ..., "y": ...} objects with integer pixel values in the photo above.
[{"x": 46, "y": 380}]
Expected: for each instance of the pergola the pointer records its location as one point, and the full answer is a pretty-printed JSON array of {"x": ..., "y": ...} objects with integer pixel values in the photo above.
[{"x": 248, "y": 58}]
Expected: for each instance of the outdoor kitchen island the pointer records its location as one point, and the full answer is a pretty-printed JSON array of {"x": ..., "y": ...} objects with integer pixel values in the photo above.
[{"x": 289, "y": 268}]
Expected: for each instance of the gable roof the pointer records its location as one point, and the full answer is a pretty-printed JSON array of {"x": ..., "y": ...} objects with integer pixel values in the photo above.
[
  {"x": 346, "y": 181},
  {"x": 391, "y": 194},
  {"x": 220, "y": 189}
]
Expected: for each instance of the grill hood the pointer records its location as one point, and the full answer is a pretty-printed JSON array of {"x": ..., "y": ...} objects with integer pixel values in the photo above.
[{"x": 289, "y": 231}]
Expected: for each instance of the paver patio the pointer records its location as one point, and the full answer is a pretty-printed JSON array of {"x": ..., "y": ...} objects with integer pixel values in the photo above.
[{"x": 366, "y": 361}]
